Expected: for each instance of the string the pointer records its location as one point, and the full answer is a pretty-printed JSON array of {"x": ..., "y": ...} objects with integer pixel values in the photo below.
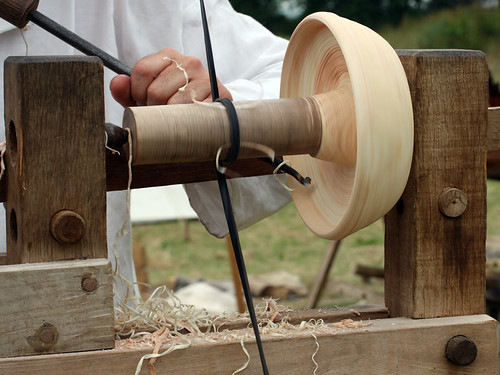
[{"x": 226, "y": 200}]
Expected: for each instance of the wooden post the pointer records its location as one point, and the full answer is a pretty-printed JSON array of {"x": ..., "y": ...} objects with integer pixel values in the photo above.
[
  {"x": 56, "y": 189},
  {"x": 434, "y": 258}
]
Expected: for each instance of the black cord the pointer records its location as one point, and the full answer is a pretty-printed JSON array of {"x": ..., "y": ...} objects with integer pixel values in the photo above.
[
  {"x": 235, "y": 241},
  {"x": 224, "y": 192},
  {"x": 235, "y": 129},
  {"x": 210, "y": 57}
]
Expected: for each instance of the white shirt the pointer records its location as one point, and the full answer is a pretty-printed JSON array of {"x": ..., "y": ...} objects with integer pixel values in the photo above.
[{"x": 247, "y": 57}]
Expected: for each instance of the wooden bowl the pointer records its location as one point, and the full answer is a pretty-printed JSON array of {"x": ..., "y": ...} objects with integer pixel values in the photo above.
[{"x": 363, "y": 164}]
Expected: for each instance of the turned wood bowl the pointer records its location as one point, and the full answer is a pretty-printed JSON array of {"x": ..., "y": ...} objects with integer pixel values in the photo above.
[{"x": 362, "y": 166}]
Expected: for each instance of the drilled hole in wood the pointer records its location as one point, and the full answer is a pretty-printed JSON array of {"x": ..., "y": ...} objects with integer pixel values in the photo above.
[
  {"x": 13, "y": 225},
  {"x": 12, "y": 143},
  {"x": 400, "y": 206}
]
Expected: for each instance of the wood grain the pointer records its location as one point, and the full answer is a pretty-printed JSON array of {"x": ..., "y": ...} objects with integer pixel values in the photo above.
[
  {"x": 16, "y": 11},
  {"x": 55, "y": 155},
  {"x": 388, "y": 346},
  {"x": 372, "y": 133},
  {"x": 494, "y": 129},
  {"x": 434, "y": 265},
  {"x": 41, "y": 295},
  {"x": 195, "y": 132},
  {"x": 176, "y": 173}
]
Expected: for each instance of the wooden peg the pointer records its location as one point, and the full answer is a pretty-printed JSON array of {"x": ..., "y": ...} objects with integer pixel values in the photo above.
[
  {"x": 67, "y": 227},
  {"x": 452, "y": 202},
  {"x": 461, "y": 351}
]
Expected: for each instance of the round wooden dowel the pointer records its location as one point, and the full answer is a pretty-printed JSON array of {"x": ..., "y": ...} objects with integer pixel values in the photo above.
[
  {"x": 16, "y": 11},
  {"x": 195, "y": 132}
]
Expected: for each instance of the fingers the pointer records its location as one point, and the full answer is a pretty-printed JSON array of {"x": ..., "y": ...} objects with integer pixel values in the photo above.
[
  {"x": 166, "y": 77},
  {"x": 154, "y": 69}
]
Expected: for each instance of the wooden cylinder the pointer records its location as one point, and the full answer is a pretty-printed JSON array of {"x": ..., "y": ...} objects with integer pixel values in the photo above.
[
  {"x": 16, "y": 11},
  {"x": 323, "y": 126},
  {"x": 195, "y": 132}
]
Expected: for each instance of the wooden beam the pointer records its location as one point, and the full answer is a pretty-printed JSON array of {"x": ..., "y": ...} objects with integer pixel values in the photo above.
[
  {"x": 494, "y": 129},
  {"x": 175, "y": 173},
  {"x": 55, "y": 159},
  {"x": 167, "y": 174},
  {"x": 434, "y": 263},
  {"x": 388, "y": 346},
  {"x": 56, "y": 307}
]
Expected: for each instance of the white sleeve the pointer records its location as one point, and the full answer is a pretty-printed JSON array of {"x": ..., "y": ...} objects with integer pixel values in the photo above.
[{"x": 248, "y": 60}]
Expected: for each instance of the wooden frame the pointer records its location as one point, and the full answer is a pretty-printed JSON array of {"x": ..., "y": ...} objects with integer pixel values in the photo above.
[{"x": 434, "y": 260}]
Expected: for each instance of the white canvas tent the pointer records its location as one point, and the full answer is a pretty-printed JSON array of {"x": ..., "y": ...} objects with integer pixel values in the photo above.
[{"x": 158, "y": 204}]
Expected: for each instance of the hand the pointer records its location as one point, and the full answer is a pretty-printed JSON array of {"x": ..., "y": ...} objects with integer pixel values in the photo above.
[{"x": 160, "y": 79}]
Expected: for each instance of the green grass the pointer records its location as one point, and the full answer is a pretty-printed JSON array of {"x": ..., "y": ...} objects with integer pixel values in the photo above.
[
  {"x": 280, "y": 242},
  {"x": 459, "y": 28}
]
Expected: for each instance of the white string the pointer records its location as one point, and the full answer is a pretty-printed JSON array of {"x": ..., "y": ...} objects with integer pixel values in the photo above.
[
  {"x": 179, "y": 66},
  {"x": 24, "y": 38},
  {"x": 126, "y": 223}
]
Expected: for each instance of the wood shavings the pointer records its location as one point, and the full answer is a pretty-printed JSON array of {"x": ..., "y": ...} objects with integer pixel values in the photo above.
[
  {"x": 275, "y": 174},
  {"x": 156, "y": 355},
  {"x": 159, "y": 338},
  {"x": 349, "y": 323},
  {"x": 179, "y": 66},
  {"x": 122, "y": 233},
  {"x": 109, "y": 148},
  {"x": 266, "y": 150},
  {"x": 161, "y": 310},
  {"x": 315, "y": 352},
  {"x": 245, "y": 365},
  {"x": 355, "y": 312}
]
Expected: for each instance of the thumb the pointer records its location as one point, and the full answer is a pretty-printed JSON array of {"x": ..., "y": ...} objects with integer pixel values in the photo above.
[{"x": 121, "y": 90}]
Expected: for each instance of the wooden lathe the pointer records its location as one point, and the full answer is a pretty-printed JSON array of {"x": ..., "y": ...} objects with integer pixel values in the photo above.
[{"x": 408, "y": 141}]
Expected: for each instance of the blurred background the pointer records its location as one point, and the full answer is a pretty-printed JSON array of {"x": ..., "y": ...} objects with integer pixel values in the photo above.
[{"x": 178, "y": 251}]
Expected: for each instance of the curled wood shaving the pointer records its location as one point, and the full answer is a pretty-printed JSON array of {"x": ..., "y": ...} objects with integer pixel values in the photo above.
[
  {"x": 179, "y": 66},
  {"x": 315, "y": 352},
  {"x": 154, "y": 356},
  {"x": 245, "y": 365}
]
